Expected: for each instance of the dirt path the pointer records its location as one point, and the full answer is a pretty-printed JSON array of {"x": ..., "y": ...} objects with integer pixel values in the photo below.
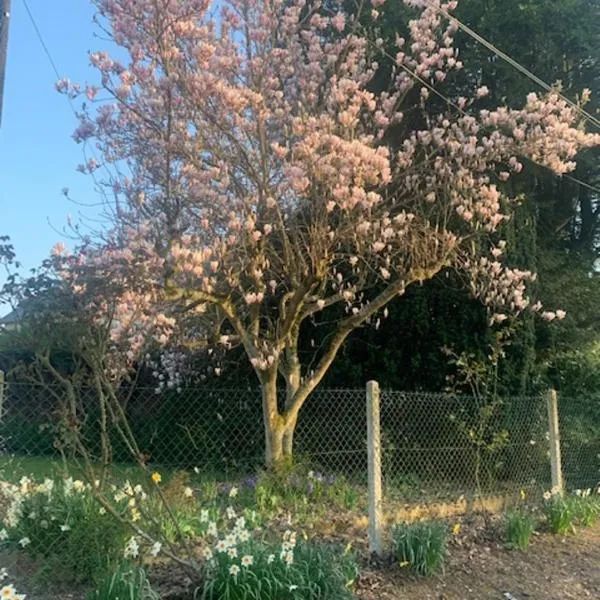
[{"x": 552, "y": 568}]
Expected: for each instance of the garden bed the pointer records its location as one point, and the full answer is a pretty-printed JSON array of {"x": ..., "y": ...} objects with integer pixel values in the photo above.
[
  {"x": 478, "y": 567},
  {"x": 62, "y": 521}
]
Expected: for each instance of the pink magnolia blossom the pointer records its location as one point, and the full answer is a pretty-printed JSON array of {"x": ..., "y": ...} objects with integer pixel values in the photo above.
[{"x": 269, "y": 188}]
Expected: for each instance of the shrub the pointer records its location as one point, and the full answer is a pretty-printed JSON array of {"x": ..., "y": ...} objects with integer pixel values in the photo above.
[
  {"x": 126, "y": 583},
  {"x": 420, "y": 546},
  {"x": 560, "y": 514},
  {"x": 520, "y": 526}
]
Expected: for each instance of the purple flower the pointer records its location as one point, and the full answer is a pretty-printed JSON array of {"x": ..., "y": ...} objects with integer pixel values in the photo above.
[
  {"x": 250, "y": 482},
  {"x": 310, "y": 488}
]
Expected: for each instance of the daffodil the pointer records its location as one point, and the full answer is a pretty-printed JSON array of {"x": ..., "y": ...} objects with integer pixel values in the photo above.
[
  {"x": 156, "y": 547},
  {"x": 8, "y": 591},
  {"x": 243, "y": 536},
  {"x": 247, "y": 560},
  {"x": 132, "y": 549}
]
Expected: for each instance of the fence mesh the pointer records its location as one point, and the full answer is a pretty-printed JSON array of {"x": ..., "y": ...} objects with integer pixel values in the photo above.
[
  {"x": 432, "y": 444},
  {"x": 435, "y": 444},
  {"x": 580, "y": 449}
]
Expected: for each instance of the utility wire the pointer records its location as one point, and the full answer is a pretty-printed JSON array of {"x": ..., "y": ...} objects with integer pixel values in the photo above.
[
  {"x": 41, "y": 39},
  {"x": 461, "y": 25},
  {"x": 464, "y": 113},
  {"x": 511, "y": 61},
  {"x": 55, "y": 70}
]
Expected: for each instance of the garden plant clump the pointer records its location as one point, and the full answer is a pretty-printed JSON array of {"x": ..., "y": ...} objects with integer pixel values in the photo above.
[
  {"x": 62, "y": 523},
  {"x": 564, "y": 512},
  {"x": 520, "y": 525},
  {"x": 111, "y": 534},
  {"x": 127, "y": 582},
  {"x": 420, "y": 546}
]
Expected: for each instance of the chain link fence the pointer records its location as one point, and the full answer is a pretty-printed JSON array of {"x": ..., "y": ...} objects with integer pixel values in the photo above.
[
  {"x": 433, "y": 445},
  {"x": 580, "y": 447}
]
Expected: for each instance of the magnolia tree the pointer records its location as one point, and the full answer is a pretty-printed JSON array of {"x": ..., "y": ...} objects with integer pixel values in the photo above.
[{"x": 251, "y": 165}]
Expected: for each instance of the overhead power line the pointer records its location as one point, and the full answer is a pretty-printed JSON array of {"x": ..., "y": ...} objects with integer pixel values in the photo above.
[
  {"x": 449, "y": 102},
  {"x": 511, "y": 61},
  {"x": 41, "y": 39},
  {"x": 52, "y": 62},
  {"x": 461, "y": 25}
]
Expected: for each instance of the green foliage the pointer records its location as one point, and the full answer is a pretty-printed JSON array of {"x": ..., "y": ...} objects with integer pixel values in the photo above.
[
  {"x": 67, "y": 527},
  {"x": 404, "y": 352},
  {"x": 520, "y": 525},
  {"x": 560, "y": 514},
  {"x": 298, "y": 490},
  {"x": 564, "y": 512},
  {"x": 263, "y": 571},
  {"x": 586, "y": 507},
  {"x": 420, "y": 546},
  {"x": 125, "y": 583}
]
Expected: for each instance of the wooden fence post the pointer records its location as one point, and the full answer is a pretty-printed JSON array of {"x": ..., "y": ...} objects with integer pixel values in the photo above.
[
  {"x": 374, "y": 468},
  {"x": 554, "y": 439}
]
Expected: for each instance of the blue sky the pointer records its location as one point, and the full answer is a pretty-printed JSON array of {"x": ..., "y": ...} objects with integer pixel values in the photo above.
[{"x": 37, "y": 155}]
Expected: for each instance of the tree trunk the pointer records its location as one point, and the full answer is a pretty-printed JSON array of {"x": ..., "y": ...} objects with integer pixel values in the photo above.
[
  {"x": 274, "y": 424},
  {"x": 288, "y": 439},
  {"x": 274, "y": 453},
  {"x": 292, "y": 384}
]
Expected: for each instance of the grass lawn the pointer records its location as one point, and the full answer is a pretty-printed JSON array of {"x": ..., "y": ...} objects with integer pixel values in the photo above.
[
  {"x": 37, "y": 467},
  {"x": 12, "y": 468}
]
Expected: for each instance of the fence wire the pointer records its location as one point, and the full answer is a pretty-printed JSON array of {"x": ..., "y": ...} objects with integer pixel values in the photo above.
[
  {"x": 432, "y": 444},
  {"x": 435, "y": 443}
]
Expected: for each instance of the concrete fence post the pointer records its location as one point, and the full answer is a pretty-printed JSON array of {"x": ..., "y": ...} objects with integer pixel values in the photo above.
[
  {"x": 554, "y": 439},
  {"x": 374, "y": 468}
]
